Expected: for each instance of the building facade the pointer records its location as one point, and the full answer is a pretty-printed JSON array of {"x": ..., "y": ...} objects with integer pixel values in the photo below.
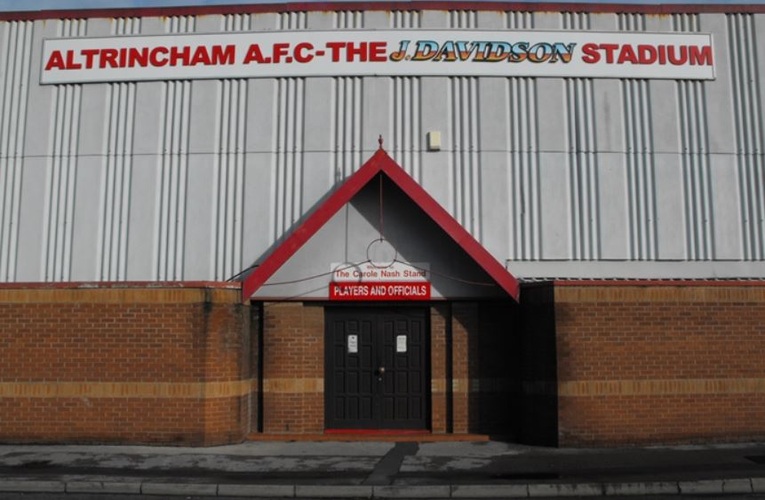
[{"x": 541, "y": 222}]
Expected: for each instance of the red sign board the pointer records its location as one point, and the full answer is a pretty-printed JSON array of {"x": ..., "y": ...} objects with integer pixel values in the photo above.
[{"x": 379, "y": 291}]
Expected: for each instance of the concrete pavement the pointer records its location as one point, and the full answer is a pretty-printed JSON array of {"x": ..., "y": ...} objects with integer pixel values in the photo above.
[{"x": 300, "y": 469}]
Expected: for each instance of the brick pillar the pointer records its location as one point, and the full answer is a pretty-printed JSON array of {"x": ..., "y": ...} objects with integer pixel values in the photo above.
[
  {"x": 439, "y": 317},
  {"x": 464, "y": 322},
  {"x": 293, "y": 368}
]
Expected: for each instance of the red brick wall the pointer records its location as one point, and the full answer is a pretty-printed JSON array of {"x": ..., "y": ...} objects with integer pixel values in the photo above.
[
  {"x": 660, "y": 364},
  {"x": 469, "y": 388},
  {"x": 612, "y": 364},
  {"x": 180, "y": 364},
  {"x": 464, "y": 327},
  {"x": 293, "y": 369},
  {"x": 441, "y": 395},
  {"x": 475, "y": 368},
  {"x": 124, "y": 363}
]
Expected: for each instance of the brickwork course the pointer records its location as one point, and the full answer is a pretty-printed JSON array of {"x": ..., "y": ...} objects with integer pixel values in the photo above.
[
  {"x": 654, "y": 364},
  {"x": 136, "y": 364},
  {"x": 574, "y": 364}
]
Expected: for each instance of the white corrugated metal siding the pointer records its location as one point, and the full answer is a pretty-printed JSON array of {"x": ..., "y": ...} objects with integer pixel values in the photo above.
[
  {"x": 15, "y": 56},
  {"x": 560, "y": 177}
]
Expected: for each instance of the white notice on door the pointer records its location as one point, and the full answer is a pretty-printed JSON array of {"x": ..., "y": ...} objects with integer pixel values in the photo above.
[
  {"x": 353, "y": 344},
  {"x": 400, "y": 343}
]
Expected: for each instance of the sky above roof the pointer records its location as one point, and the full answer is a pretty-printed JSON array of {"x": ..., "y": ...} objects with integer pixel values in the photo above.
[{"x": 33, "y": 5}]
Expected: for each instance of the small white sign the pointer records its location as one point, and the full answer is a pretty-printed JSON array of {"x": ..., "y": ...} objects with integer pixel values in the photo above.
[
  {"x": 368, "y": 272},
  {"x": 353, "y": 344},
  {"x": 400, "y": 343}
]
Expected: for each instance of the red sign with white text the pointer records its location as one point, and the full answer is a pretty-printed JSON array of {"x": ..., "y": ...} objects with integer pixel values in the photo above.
[{"x": 379, "y": 291}]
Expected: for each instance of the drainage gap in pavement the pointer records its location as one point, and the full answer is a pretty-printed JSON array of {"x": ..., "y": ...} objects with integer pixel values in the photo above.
[{"x": 390, "y": 464}]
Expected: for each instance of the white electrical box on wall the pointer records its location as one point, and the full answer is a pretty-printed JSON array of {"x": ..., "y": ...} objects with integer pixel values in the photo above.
[{"x": 434, "y": 140}]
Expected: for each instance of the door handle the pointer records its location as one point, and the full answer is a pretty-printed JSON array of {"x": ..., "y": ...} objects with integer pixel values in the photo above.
[{"x": 380, "y": 373}]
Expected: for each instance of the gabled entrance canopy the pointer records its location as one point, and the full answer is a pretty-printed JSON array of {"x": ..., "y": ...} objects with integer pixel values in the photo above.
[{"x": 380, "y": 163}]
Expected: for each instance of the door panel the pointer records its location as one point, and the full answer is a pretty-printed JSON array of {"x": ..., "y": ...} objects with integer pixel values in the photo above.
[{"x": 376, "y": 368}]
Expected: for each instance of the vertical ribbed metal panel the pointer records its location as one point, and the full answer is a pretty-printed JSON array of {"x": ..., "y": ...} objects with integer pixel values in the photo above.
[
  {"x": 229, "y": 167},
  {"x": 347, "y": 92},
  {"x": 117, "y": 176},
  {"x": 519, "y": 20},
  {"x": 348, "y": 19},
  {"x": 347, "y": 132},
  {"x": 287, "y": 184},
  {"x": 639, "y": 158},
  {"x": 15, "y": 57},
  {"x": 405, "y": 143},
  {"x": 694, "y": 151},
  {"x": 523, "y": 162},
  {"x": 405, "y": 19},
  {"x": 584, "y": 227},
  {"x": 407, "y": 129},
  {"x": 172, "y": 170},
  {"x": 750, "y": 139},
  {"x": 465, "y": 163},
  {"x": 62, "y": 171},
  {"x": 465, "y": 180},
  {"x": 633, "y": 170}
]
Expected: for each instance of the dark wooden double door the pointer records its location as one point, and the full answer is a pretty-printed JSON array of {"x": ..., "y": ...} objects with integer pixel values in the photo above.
[{"x": 376, "y": 368}]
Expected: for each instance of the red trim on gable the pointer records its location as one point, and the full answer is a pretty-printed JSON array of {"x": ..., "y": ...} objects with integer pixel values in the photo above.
[{"x": 379, "y": 162}]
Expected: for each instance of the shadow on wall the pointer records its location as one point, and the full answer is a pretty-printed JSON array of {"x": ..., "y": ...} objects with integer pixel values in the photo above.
[
  {"x": 511, "y": 366},
  {"x": 538, "y": 362}
]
